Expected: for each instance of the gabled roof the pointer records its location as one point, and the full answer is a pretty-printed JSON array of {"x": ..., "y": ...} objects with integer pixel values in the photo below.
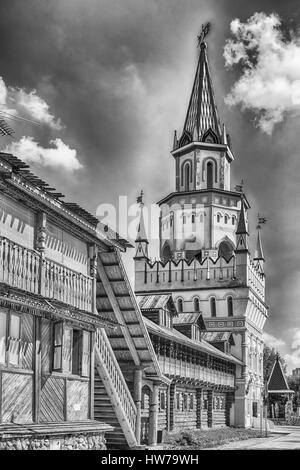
[
  {"x": 218, "y": 336},
  {"x": 202, "y": 116},
  {"x": 277, "y": 382},
  {"x": 176, "y": 336},
  {"x": 156, "y": 302}
]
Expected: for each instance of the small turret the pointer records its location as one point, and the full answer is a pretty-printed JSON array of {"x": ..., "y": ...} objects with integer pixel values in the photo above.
[
  {"x": 141, "y": 241},
  {"x": 242, "y": 234},
  {"x": 259, "y": 254}
]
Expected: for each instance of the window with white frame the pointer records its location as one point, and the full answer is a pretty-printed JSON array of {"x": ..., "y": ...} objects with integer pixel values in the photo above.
[{"x": 10, "y": 338}]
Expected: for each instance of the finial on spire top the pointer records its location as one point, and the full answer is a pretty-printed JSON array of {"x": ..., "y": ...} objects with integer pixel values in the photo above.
[
  {"x": 139, "y": 199},
  {"x": 239, "y": 187},
  {"x": 204, "y": 32}
]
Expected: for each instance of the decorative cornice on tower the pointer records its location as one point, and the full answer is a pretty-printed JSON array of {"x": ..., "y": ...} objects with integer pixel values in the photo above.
[{"x": 202, "y": 119}]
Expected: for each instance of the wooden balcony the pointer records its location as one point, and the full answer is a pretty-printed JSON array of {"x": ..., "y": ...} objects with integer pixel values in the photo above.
[
  {"x": 29, "y": 271},
  {"x": 176, "y": 367}
]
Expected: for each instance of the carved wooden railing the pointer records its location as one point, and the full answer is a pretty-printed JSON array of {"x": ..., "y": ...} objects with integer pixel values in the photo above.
[
  {"x": 116, "y": 386},
  {"x": 19, "y": 267},
  {"x": 66, "y": 285},
  {"x": 27, "y": 270},
  {"x": 171, "y": 366}
]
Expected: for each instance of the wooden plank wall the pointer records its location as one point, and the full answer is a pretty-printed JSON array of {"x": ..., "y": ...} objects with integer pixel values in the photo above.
[
  {"x": 185, "y": 419},
  {"x": 162, "y": 413},
  {"x": 219, "y": 415},
  {"x": 16, "y": 399},
  {"x": 52, "y": 399}
]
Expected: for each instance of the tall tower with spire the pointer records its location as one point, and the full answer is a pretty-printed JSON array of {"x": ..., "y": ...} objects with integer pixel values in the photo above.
[{"x": 205, "y": 259}]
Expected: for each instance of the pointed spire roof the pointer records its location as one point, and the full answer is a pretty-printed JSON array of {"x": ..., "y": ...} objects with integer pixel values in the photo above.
[
  {"x": 277, "y": 382},
  {"x": 258, "y": 254},
  {"x": 202, "y": 115},
  {"x": 242, "y": 223},
  {"x": 141, "y": 235}
]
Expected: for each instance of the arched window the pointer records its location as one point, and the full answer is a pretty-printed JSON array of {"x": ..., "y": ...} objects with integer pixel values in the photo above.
[
  {"x": 233, "y": 220},
  {"x": 193, "y": 218},
  {"x": 218, "y": 218},
  {"x": 179, "y": 305},
  {"x": 167, "y": 253},
  {"x": 196, "y": 305},
  {"x": 187, "y": 177},
  {"x": 226, "y": 219},
  {"x": 210, "y": 174},
  {"x": 213, "y": 309},
  {"x": 225, "y": 250},
  {"x": 230, "y": 306}
]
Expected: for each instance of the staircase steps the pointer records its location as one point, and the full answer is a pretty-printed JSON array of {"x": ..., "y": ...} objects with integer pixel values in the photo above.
[{"x": 104, "y": 412}]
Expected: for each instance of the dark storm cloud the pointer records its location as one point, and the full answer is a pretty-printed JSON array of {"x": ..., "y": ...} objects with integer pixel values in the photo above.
[{"x": 119, "y": 73}]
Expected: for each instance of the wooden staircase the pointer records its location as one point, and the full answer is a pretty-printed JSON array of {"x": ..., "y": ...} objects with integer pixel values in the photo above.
[
  {"x": 113, "y": 403},
  {"x": 104, "y": 412}
]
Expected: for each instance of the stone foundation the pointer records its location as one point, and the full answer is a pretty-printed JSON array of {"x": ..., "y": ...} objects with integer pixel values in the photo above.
[{"x": 92, "y": 441}]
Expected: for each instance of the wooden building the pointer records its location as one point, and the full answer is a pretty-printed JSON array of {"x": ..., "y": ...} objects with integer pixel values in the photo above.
[{"x": 73, "y": 346}]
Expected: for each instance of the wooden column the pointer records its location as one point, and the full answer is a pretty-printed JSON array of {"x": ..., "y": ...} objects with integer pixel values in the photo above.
[
  {"x": 228, "y": 403},
  {"x": 210, "y": 411},
  {"x": 198, "y": 407},
  {"x": 172, "y": 406},
  {"x": 92, "y": 373},
  {"x": 137, "y": 396},
  {"x": 93, "y": 255},
  {"x": 37, "y": 369},
  {"x": 153, "y": 415},
  {"x": 41, "y": 247}
]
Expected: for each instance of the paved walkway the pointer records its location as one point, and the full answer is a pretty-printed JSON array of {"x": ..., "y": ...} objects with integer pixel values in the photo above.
[{"x": 283, "y": 438}]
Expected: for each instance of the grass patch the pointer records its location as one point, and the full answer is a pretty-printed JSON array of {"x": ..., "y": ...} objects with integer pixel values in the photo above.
[{"x": 201, "y": 439}]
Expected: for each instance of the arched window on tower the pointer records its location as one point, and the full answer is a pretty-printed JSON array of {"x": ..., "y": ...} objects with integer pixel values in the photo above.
[
  {"x": 225, "y": 250},
  {"x": 226, "y": 219},
  {"x": 230, "y": 306},
  {"x": 179, "y": 305},
  {"x": 196, "y": 305},
  {"x": 213, "y": 309},
  {"x": 187, "y": 177},
  {"x": 218, "y": 218},
  {"x": 210, "y": 174},
  {"x": 166, "y": 253}
]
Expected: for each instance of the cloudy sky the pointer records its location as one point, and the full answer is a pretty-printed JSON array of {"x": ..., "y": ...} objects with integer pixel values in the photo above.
[{"x": 108, "y": 81}]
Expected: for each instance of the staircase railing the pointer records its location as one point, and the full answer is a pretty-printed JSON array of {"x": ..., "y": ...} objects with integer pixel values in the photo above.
[{"x": 116, "y": 386}]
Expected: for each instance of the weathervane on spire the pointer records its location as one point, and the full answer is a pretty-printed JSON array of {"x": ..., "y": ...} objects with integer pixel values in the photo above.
[
  {"x": 204, "y": 32},
  {"x": 260, "y": 221}
]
